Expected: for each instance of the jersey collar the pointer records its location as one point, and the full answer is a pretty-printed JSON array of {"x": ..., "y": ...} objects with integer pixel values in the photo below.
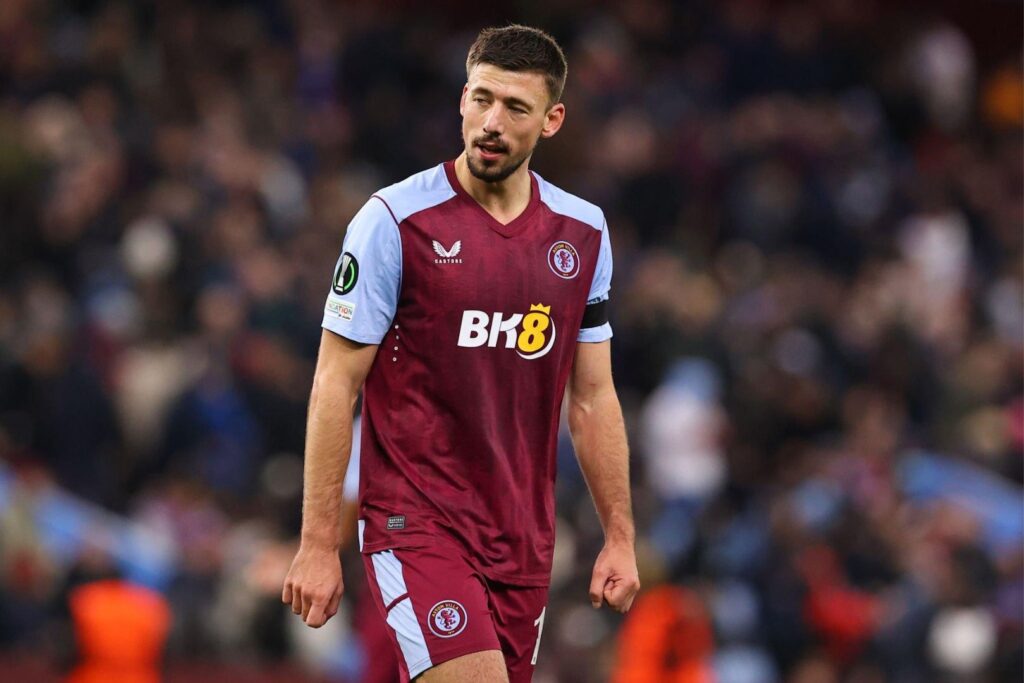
[{"x": 510, "y": 229}]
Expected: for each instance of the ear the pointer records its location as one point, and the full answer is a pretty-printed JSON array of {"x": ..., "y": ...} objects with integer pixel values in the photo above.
[
  {"x": 462, "y": 100},
  {"x": 553, "y": 120}
]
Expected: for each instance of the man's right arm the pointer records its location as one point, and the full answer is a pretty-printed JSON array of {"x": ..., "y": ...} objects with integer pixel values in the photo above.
[
  {"x": 314, "y": 584},
  {"x": 361, "y": 304}
]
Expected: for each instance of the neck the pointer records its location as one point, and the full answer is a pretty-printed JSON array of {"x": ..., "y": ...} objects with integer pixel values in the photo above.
[{"x": 505, "y": 199}]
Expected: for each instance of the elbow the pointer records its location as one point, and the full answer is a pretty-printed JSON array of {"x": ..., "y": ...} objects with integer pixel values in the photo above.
[
  {"x": 593, "y": 407},
  {"x": 577, "y": 416},
  {"x": 574, "y": 422},
  {"x": 331, "y": 394}
]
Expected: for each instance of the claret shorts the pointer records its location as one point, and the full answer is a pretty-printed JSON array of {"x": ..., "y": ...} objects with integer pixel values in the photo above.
[{"x": 438, "y": 608}]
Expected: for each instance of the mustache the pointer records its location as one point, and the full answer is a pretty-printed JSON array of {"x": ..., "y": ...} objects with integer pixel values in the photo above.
[{"x": 492, "y": 140}]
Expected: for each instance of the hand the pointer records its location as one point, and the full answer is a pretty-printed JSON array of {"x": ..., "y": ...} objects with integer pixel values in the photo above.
[
  {"x": 313, "y": 586},
  {"x": 615, "y": 577}
]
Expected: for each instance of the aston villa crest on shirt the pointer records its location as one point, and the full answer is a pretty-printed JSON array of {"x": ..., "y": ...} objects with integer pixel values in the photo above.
[
  {"x": 564, "y": 260},
  {"x": 447, "y": 255}
]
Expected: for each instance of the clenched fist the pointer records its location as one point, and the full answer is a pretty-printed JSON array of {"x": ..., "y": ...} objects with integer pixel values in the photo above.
[{"x": 313, "y": 586}]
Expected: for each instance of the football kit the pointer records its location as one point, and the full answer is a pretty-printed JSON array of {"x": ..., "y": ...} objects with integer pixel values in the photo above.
[{"x": 476, "y": 324}]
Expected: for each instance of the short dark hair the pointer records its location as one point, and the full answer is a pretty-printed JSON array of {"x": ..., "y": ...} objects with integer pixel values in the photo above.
[{"x": 521, "y": 48}]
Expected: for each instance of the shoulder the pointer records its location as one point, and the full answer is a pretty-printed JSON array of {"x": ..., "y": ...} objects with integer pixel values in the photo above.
[
  {"x": 416, "y": 193},
  {"x": 568, "y": 204}
]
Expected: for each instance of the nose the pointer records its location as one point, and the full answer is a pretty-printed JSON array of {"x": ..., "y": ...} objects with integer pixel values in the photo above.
[{"x": 494, "y": 120}]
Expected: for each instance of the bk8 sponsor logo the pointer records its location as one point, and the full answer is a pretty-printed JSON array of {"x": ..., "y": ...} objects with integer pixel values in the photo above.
[{"x": 531, "y": 335}]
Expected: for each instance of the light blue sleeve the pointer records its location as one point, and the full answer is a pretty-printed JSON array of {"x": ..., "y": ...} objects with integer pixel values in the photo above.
[
  {"x": 600, "y": 286},
  {"x": 364, "y": 290}
]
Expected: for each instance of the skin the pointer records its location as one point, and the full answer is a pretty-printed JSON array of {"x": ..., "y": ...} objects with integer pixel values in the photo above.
[
  {"x": 599, "y": 437},
  {"x": 479, "y": 667},
  {"x": 507, "y": 113},
  {"x": 504, "y": 115},
  {"x": 314, "y": 585}
]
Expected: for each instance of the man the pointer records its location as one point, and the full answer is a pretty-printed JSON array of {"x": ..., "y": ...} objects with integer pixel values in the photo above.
[{"x": 468, "y": 296}]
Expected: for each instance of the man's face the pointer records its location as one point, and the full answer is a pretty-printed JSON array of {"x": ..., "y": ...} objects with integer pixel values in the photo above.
[{"x": 504, "y": 114}]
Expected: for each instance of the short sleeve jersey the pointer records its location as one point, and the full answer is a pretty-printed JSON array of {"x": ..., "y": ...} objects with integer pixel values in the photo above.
[{"x": 477, "y": 324}]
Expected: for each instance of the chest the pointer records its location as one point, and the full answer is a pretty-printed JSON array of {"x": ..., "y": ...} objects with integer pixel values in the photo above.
[{"x": 453, "y": 261}]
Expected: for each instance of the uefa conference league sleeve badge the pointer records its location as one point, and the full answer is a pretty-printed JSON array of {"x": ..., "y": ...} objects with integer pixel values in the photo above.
[{"x": 347, "y": 274}]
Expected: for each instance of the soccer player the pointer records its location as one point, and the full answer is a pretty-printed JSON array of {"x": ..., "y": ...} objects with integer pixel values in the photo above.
[{"x": 466, "y": 298}]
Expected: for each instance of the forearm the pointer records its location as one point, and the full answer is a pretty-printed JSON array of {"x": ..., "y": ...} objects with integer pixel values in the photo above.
[
  {"x": 599, "y": 436},
  {"x": 328, "y": 448}
]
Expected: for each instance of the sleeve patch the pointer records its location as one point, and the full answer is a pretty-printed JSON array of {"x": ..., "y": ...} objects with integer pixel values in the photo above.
[
  {"x": 340, "y": 308},
  {"x": 346, "y": 275}
]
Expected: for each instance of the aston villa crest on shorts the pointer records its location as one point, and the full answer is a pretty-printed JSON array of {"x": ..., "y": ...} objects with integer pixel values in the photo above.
[
  {"x": 447, "y": 618},
  {"x": 564, "y": 260}
]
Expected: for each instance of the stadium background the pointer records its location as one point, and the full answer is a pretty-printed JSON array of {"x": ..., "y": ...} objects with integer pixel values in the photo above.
[{"x": 816, "y": 216}]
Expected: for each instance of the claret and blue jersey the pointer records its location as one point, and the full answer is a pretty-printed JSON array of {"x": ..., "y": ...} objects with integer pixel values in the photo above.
[{"x": 477, "y": 324}]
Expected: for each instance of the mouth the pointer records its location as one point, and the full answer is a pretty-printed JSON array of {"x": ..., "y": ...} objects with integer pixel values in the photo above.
[{"x": 491, "y": 151}]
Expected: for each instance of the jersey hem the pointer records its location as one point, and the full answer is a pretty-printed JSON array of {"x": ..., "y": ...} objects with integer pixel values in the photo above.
[
  {"x": 421, "y": 666},
  {"x": 441, "y": 655},
  {"x": 421, "y": 540},
  {"x": 594, "y": 335},
  {"x": 329, "y": 325}
]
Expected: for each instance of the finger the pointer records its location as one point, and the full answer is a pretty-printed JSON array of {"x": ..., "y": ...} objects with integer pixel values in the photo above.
[
  {"x": 286, "y": 592},
  {"x": 316, "y": 617},
  {"x": 297, "y": 600},
  {"x": 613, "y": 596},
  {"x": 597, "y": 583},
  {"x": 618, "y": 595},
  {"x": 307, "y": 604},
  {"x": 332, "y": 606}
]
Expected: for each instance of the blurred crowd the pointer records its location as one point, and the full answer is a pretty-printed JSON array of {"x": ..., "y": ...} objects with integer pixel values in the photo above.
[{"x": 818, "y": 306}]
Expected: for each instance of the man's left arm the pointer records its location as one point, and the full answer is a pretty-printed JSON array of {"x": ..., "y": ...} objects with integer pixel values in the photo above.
[{"x": 599, "y": 436}]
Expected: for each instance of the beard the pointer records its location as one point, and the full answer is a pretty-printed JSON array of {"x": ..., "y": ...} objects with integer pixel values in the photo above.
[{"x": 497, "y": 173}]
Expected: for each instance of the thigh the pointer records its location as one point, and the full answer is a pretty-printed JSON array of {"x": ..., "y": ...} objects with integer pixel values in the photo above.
[
  {"x": 479, "y": 667},
  {"x": 381, "y": 665},
  {"x": 435, "y": 605},
  {"x": 518, "y": 613}
]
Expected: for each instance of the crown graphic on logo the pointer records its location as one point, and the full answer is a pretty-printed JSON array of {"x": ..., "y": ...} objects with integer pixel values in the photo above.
[{"x": 546, "y": 310}]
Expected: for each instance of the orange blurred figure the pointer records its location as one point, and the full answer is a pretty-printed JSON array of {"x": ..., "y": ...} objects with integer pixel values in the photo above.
[
  {"x": 121, "y": 629},
  {"x": 666, "y": 638}
]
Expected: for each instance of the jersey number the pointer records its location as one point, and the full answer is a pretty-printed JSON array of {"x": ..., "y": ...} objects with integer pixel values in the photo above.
[{"x": 539, "y": 623}]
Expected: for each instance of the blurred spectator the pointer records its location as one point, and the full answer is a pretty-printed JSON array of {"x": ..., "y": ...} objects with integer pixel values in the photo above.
[
  {"x": 682, "y": 428},
  {"x": 121, "y": 630},
  {"x": 665, "y": 639}
]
